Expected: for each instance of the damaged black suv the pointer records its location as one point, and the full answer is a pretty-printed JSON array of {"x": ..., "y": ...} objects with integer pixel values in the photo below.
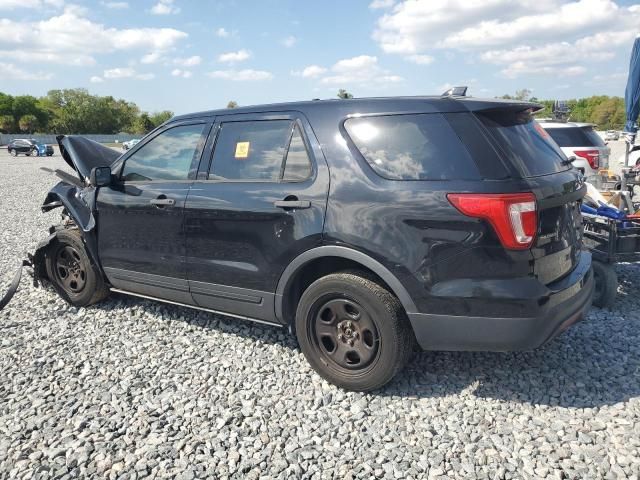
[{"x": 364, "y": 226}]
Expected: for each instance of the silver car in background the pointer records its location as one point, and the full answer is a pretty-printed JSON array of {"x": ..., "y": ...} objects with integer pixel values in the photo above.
[{"x": 580, "y": 140}]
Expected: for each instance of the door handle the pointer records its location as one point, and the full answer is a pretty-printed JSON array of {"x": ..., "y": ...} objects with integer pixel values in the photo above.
[
  {"x": 292, "y": 204},
  {"x": 162, "y": 202}
]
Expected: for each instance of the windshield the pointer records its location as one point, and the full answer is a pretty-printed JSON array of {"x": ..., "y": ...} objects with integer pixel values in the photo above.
[{"x": 524, "y": 142}]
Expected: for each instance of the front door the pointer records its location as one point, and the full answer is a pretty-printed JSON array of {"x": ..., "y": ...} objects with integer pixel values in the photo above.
[
  {"x": 259, "y": 204},
  {"x": 141, "y": 239}
]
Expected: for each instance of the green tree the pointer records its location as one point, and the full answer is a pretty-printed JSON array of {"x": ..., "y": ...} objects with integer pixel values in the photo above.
[
  {"x": 143, "y": 124},
  {"x": 342, "y": 93},
  {"x": 6, "y": 104},
  {"x": 158, "y": 118},
  {"x": 232, "y": 104},
  {"x": 28, "y": 123},
  {"x": 7, "y": 123}
]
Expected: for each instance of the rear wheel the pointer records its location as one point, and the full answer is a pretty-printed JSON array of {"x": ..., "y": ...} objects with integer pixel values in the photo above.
[
  {"x": 71, "y": 272},
  {"x": 353, "y": 332},
  {"x": 606, "y": 284}
]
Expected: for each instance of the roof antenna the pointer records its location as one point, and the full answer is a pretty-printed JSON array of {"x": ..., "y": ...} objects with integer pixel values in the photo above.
[{"x": 456, "y": 92}]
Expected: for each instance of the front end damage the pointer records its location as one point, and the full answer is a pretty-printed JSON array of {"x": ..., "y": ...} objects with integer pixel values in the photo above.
[{"x": 77, "y": 197}]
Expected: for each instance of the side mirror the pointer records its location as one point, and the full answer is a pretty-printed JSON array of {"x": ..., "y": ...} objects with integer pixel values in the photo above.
[{"x": 100, "y": 176}]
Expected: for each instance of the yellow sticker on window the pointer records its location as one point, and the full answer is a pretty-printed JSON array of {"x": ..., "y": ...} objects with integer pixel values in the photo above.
[{"x": 242, "y": 149}]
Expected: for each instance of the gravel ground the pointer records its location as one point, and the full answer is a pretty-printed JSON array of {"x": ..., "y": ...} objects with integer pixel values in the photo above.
[{"x": 132, "y": 388}]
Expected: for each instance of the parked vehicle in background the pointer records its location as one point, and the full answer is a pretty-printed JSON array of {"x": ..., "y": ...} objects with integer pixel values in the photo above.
[
  {"x": 581, "y": 141},
  {"x": 612, "y": 135},
  {"x": 29, "y": 147},
  {"x": 130, "y": 144},
  {"x": 362, "y": 225}
]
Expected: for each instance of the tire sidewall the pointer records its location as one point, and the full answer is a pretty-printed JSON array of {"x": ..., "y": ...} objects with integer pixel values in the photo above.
[
  {"x": 382, "y": 368},
  {"x": 64, "y": 238}
]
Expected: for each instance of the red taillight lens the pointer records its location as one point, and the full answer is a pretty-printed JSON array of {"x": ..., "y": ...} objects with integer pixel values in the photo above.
[
  {"x": 513, "y": 216},
  {"x": 591, "y": 156}
]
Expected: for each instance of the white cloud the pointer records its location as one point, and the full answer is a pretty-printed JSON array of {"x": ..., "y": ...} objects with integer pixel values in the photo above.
[
  {"x": 96, "y": 79},
  {"x": 126, "y": 72},
  {"x": 189, "y": 61},
  {"x": 9, "y": 71},
  {"x": 177, "y": 72},
  {"x": 13, "y": 4},
  {"x": 420, "y": 59},
  {"x": 165, "y": 7},
  {"x": 363, "y": 69},
  {"x": 289, "y": 41},
  {"x": 381, "y": 4},
  {"x": 312, "y": 71},
  {"x": 116, "y": 5},
  {"x": 152, "y": 57},
  {"x": 222, "y": 32},
  {"x": 521, "y": 36},
  {"x": 72, "y": 39},
  {"x": 234, "y": 57},
  {"x": 241, "y": 75}
]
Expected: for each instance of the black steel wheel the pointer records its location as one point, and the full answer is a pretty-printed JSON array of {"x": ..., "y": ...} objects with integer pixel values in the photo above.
[
  {"x": 71, "y": 272},
  {"x": 353, "y": 331}
]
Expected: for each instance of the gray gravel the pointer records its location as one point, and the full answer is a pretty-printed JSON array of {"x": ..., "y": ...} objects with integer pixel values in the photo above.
[{"x": 131, "y": 388}]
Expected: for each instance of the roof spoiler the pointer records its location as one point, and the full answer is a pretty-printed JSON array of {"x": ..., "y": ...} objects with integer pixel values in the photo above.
[{"x": 456, "y": 92}]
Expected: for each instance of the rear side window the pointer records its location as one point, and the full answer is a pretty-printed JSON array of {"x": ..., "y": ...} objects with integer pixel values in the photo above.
[
  {"x": 263, "y": 150},
  {"x": 411, "y": 147},
  {"x": 524, "y": 142},
  {"x": 575, "y": 136}
]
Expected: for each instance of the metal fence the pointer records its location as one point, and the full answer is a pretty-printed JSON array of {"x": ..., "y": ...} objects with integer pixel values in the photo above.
[{"x": 51, "y": 138}]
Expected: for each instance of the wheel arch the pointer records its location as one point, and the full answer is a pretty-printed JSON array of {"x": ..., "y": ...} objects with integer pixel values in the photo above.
[{"x": 351, "y": 258}]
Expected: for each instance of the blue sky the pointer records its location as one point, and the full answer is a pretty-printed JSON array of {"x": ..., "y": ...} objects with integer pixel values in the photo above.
[{"x": 187, "y": 55}]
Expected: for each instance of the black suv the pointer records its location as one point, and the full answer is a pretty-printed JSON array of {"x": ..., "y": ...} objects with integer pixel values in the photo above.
[
  {"x": 28, "y": 147},
  {"x": 363, "y": 225}
]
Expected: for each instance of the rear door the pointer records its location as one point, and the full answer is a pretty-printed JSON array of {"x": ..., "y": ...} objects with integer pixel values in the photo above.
[
  {"x": 258, "y": 203},
  {"x": 140, "y": 218}
]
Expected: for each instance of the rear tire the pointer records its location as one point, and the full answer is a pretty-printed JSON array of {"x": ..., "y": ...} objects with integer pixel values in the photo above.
[
  {"x": 606, "y": 284},
  {"x": 71, "y": 272},
  {"x": 353, "y": 332}
]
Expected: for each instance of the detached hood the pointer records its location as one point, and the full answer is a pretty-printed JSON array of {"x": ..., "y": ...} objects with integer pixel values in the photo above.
[{"x": 83, "y": 154}]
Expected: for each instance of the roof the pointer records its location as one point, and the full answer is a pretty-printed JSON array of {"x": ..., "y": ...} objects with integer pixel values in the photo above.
[{"x": 437, "y": 104}]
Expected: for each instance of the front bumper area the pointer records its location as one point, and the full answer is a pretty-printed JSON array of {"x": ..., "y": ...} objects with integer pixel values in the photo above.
[{"x": 560, "y": 305}]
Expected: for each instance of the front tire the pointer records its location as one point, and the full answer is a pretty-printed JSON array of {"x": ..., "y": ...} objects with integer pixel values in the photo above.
[
  {"x": 606, "y": 279},
  {"x": 353, "y": 332},
  {"x": 71, "y": 272},
  {"x": 13, "y": 153}
]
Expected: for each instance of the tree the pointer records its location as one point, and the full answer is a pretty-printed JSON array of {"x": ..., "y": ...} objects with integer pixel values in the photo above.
[
  {"x": 232, "y": 104},
  {"x": 143, "y": 124},
  {"x": 7, "y": 123},
  {"x": 158, "y": 118},
  {"x": 342, "y": 93},
  {"x": 28, "y": 123}
]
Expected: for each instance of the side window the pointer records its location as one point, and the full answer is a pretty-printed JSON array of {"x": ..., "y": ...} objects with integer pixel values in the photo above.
[
  {"x": 168, "y": 156},
  {"x": 297, "y": 165},
  {"x": 250, "y": 150}
]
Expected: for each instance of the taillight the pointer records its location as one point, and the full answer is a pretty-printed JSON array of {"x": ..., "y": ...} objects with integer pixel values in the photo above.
[
  {"x": 513, "y": 216},
  {"x": 591, "y": 156}
]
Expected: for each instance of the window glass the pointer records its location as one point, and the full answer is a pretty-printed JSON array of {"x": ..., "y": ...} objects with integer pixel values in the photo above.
[
  {"x": 575, "y": 137},
  {"x": 167, "y": 157},
  {"x": 297, "y": 166},
  {"x": 251, "y": 150},
  {"x": 412, "y": 147}
]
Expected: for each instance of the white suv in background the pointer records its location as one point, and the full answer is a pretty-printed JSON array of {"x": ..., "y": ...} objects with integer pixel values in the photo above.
[{"x": 581, "y": 141}]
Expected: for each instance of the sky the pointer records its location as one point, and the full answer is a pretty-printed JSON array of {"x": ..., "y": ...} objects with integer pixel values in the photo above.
[{"x": 188, "y": 55}]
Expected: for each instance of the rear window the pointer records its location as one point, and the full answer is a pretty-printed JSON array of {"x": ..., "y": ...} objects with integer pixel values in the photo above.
[
  {"x": 575, "y": 136},
  {"x": 411, "y": 147},
  {"x": 524, "y": 142}
]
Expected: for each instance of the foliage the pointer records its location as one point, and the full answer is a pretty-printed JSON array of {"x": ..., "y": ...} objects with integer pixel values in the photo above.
[
  {"x": 75, "y": 111},
  {"x": 607, "y": 113},
  {"x": 232, "y": 104},
  {"x": 342, "y": 93},
  {"x": 28, "y": 123}
]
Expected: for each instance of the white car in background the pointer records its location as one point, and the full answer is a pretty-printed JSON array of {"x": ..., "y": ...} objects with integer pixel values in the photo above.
[
  {"x": 611, "y": 135},
  {"x": 581, "y": 141},
  {"x": 130, "y": 144}
]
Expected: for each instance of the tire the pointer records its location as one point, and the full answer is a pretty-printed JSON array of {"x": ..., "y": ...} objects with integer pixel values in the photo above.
[
  {"x": 13, "y": 153},
  {"x": 71, "y": 272},
  {"x": 34, "y": 152},
  {"x": 353, "y": 332},
  {"x": 606, "y": 284}
]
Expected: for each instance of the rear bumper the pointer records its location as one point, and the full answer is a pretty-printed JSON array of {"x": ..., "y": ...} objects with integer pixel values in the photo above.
[{"x": 557, "y": 307}]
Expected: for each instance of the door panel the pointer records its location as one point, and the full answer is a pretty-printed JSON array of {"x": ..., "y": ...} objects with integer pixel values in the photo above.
[{"x": 239, "y": 241}]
